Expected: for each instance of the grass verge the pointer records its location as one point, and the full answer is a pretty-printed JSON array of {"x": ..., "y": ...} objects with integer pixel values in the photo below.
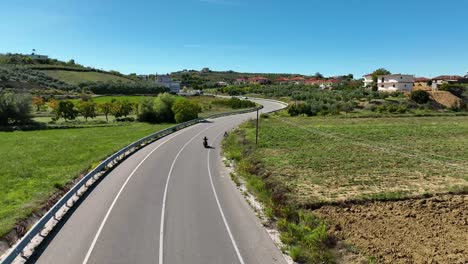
[
  {"x": 305, "y": 236},
  {"x": 34, "y": 164}
]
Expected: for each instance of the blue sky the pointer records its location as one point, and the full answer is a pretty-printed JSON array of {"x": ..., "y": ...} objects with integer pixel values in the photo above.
[{"x": 426, "y": 38}]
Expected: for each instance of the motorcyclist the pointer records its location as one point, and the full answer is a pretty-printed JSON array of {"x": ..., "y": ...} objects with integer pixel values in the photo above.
[{"x": 205, "y": 142}]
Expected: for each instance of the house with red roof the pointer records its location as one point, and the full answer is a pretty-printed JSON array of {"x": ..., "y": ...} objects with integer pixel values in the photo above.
[
  {"x": 421, "y": 81},
  {"x": 258, "y": 80},
  {"x": 321, "y": 83},
  {"x": 291, "y": 80}
]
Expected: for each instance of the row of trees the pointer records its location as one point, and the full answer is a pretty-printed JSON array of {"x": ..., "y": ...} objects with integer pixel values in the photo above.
[
  {"x": 128, "y": 88},
  {"x": 88, "y": 109}
]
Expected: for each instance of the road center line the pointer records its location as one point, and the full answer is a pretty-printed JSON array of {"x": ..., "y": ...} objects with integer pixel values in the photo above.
[
  {"x": 161, "y": 228},
  {"x": 93, "y": 244},
  {"x": 239, "y": 256}
]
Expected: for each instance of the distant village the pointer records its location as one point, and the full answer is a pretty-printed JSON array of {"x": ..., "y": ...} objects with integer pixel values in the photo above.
[{"x": 385, "y": 83}]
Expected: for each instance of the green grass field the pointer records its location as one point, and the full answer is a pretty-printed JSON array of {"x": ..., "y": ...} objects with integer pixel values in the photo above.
[
  {"x": 76, "y": 77},
  {"x": 317, "y": 160},
  {"x": 33, "y": 163}
]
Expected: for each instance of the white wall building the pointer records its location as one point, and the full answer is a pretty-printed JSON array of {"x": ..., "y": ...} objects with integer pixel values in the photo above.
[
  {"x": 395, "y": 82},
  {"x": 368, "y": 80},
  {"x": 166, "y": 81}
]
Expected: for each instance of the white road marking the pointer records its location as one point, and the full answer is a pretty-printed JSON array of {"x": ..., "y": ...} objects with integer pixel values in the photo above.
[
  {"x": 93, "y": 244},
  {"x": 239, "y": 256},
  {"x": 161, "y": 228}
]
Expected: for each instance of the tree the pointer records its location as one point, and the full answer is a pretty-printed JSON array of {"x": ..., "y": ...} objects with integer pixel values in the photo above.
[
  {"x": 126, "y": 107},
  {"x": 38, "y": 102},
  {"x": 71, "y": 62},
  {"x": 106, "y": 109},
  {"x": 121, "y": 108},
  {"x": 147, "y": 112},
  {"x": 185, "y": 110},
  {"x": 376, "y": 73},
  {"x": 87, "y": 109},
  {"x": 14, "y": 108},
  {"x": 66, "y": 110},
  {"x": 420, "y": 96},
  {"x": 318, "y": 75}
]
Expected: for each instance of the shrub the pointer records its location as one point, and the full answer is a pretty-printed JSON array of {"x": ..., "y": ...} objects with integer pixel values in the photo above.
[
  {"x": 420, "y": 96},
  {"x": 235, "y": 103},
  {"x": 185, "y": 110},
  {"x": 163, "y": 107},
  {"x": 455, "y": 89}
]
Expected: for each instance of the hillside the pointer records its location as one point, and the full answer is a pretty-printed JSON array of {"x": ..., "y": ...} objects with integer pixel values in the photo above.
[
  {"x": 21, "y": 73},
  {"x": 77, "y": 77}
]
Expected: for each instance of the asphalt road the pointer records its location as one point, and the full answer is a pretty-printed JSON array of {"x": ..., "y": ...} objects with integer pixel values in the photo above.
[{"x": 171, "y": 202}]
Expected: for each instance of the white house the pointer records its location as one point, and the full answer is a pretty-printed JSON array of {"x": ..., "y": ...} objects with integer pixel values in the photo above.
[
  {"x": 368, "y": 80},
  {"x": 166, "y": 81},
  {"x": 395, "y": 82}
]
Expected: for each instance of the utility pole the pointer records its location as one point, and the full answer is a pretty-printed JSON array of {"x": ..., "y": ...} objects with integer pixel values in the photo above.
[{"x": 256, "y": 133}]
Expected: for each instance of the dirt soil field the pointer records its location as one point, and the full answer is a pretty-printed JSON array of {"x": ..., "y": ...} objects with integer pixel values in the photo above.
[{"x": 429, "y": 230}]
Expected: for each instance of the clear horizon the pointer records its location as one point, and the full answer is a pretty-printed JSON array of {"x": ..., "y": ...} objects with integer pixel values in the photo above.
[{"x": 422, "y": 38}]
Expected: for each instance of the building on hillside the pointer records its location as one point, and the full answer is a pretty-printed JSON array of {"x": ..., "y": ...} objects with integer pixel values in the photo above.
[
  {"x": 368, "y": 80},
  {"x": 222, "y": 83},
  {"x": 282, "y": 80},
  {"x": 258, "y": 80},
  {"x": 466, "y": 76},
  {"x": 421, "y": 81},
  {"x": 240, "y": 81},
  {"x": 206, "y": 70},
  {"x": 39, "y": 57},
  {"x": 395, "y": 82},
  {"x": 443, "y": 79},
  {"x": 297, "y": 80},
  {"x": 166, "y": 81},
  {"x": 291, "y": 80},
  {"x": 323, "y": 84}
]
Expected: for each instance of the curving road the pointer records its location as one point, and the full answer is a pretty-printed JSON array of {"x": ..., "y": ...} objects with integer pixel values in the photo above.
[{"x": 171, "y": 202}]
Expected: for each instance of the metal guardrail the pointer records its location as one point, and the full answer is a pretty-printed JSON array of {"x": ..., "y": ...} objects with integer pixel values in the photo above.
[{"x": 108, "y": 163}]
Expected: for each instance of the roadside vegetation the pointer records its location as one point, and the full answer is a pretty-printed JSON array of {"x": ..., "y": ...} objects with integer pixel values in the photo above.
[{"x": 304, "y": 163}]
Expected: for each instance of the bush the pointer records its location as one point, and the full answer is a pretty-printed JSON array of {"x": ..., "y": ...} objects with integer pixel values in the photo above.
[
  {"x": 235, "y": 103},
  {"x": 420, "y": 96},
  {"x": 455, "y": 89},
  {"x": 163, "y": 108},
  {"x": 14, "y": 108},
  {"x": 185, "y": 110},
  {"x": 125, "y": 119}
]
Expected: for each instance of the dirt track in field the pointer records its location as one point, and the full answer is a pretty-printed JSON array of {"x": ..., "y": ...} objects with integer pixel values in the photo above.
[{"x": 429, "y": 230}]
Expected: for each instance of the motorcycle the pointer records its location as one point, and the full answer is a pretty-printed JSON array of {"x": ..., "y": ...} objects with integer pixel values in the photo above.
[{"x": 205, "y": 142}]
